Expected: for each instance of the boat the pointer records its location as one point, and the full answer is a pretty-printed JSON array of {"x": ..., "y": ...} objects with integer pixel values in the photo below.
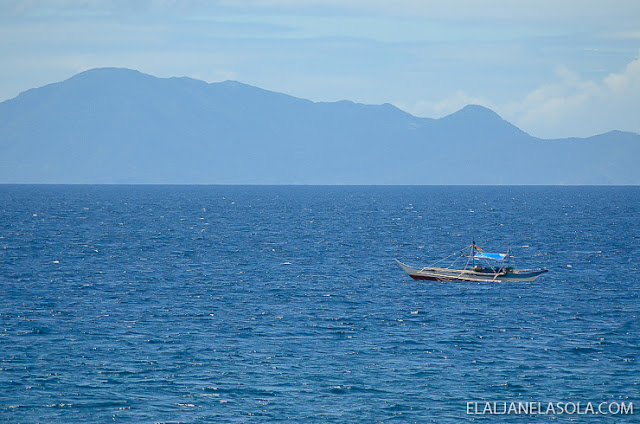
[{"x": 480, "y": 266}]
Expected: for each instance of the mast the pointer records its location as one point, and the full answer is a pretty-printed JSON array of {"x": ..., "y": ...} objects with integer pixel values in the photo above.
[{"x": 473, "y": 254}]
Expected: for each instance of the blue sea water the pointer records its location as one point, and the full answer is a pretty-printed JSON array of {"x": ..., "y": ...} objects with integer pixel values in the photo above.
[{"x": 259, "y": 304}]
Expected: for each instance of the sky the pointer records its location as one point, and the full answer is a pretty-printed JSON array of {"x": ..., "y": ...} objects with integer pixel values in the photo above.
[{"x": 554, "y": 68}]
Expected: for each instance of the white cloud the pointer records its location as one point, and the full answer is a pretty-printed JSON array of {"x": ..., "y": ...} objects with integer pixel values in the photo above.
[
  {"x": 574, "y": 106},
  {"x": 626, "y": 83},
  {"x": 446, "y": 106}
]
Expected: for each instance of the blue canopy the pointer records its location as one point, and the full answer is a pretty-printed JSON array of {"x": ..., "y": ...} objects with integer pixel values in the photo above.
[{"x": 491, "y": 256}]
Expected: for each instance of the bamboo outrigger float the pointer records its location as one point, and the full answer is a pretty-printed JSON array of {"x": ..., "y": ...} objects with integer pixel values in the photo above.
[{"x": 479, "y": 267}]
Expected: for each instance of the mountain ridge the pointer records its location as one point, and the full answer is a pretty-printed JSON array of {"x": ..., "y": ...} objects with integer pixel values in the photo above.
[{"x": 116, "y": 125}]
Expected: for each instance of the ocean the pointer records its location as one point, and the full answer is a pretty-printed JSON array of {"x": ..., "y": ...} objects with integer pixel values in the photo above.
[{"x": 264, "y": 304}]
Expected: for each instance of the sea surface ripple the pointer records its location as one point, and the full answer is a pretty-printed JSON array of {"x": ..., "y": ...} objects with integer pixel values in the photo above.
[{"x": 263, "y": 304}]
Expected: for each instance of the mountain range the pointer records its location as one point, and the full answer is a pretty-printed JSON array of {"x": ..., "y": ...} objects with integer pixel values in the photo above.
[{"x": 120, "y": 126}]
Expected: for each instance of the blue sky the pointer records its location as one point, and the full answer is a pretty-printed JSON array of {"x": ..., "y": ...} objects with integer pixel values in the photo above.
[{"x": 554, "y": 68}]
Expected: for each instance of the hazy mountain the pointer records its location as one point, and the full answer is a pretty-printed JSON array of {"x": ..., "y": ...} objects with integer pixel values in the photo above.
[{"x": 122, "y": 126}]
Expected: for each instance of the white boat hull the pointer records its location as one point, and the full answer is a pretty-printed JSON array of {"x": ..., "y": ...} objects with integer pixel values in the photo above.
[{"x": 448, "y": 274}]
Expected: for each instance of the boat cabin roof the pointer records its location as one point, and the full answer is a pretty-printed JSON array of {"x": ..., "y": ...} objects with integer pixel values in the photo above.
[{"x": 491, "y": 256}]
